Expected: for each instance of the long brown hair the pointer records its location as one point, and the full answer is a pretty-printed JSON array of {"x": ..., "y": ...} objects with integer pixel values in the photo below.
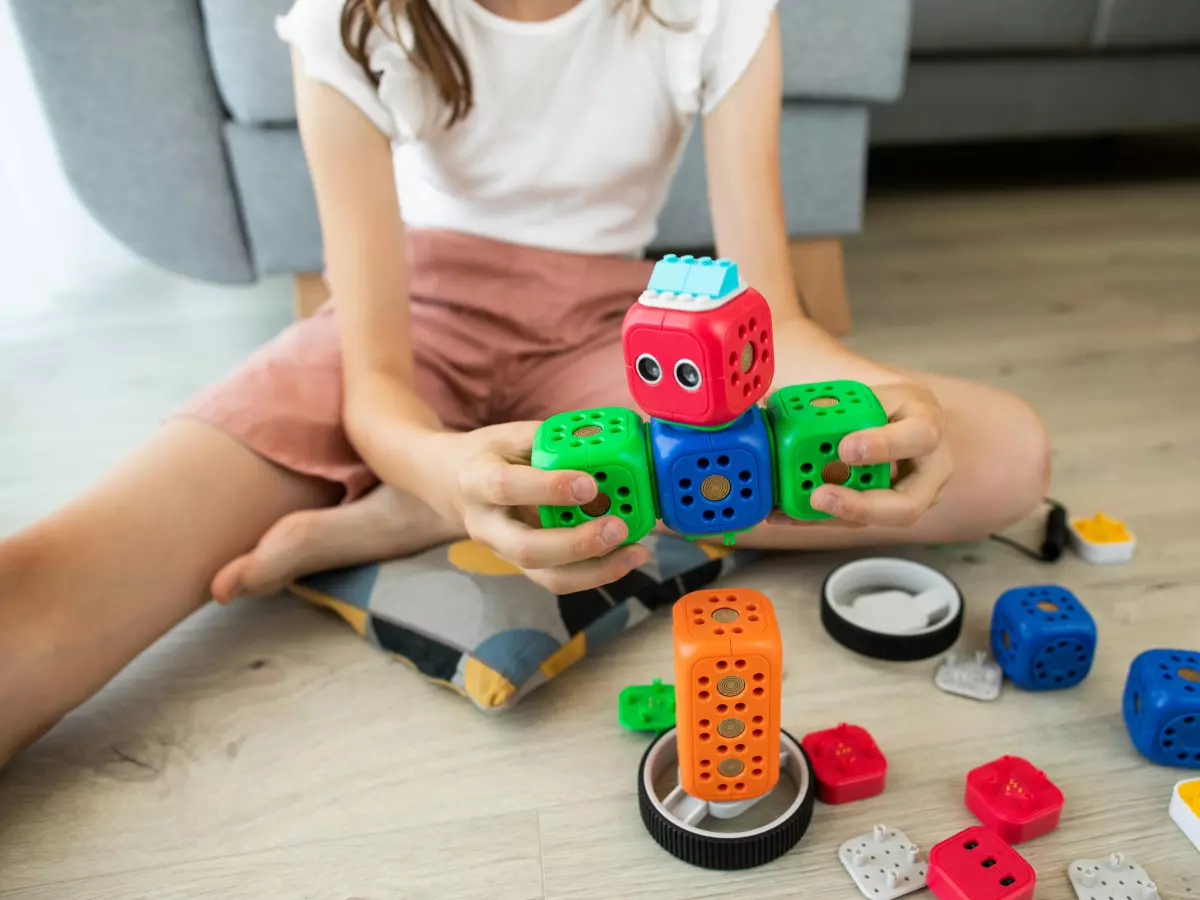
[{"x": 433, "y": 50}]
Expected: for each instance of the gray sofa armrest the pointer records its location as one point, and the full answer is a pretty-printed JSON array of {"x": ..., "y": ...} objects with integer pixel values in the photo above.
[{"x": 129, "y": 94}]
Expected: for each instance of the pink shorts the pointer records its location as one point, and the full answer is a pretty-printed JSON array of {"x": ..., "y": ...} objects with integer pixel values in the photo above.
[{"x": 500, "y": 333}]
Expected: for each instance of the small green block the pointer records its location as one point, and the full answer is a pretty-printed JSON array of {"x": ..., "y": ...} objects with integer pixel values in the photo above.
[
  {"x": 609, "y": 444},
  {"x": 647, "y": 707},
  {"x": 807, "y": 423}
]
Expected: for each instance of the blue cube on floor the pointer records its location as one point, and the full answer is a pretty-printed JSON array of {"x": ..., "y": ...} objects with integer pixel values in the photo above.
[
  {"x": 713, "y": 481},
  {"x": 1162, "y": 706},
  {"x": 1043, "y": 637}
]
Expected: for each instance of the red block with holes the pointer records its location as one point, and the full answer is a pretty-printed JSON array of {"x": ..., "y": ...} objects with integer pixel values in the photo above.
[
  {"x": 700, "y": 367},
  {"x": 847, "y": 764},
  {"x": 976, "y": 864},
  {"x": 1014, "y": 798}
]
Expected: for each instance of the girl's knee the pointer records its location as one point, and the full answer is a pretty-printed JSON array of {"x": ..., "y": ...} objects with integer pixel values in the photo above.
[{"x": 1007, "y": 472}]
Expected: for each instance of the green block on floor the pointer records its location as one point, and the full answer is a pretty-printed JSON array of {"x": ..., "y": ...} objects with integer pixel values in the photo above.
[{"x": 647, "y": 707}]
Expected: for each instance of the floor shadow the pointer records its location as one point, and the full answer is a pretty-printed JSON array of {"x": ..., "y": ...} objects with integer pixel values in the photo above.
[{"x": 1019, "y": 164}]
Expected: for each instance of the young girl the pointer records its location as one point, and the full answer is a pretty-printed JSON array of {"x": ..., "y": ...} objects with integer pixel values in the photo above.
[{"x": 487, "y": 174}]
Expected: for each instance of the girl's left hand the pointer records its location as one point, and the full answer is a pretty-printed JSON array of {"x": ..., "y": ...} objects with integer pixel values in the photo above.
[{"x": 913, "y": 441}]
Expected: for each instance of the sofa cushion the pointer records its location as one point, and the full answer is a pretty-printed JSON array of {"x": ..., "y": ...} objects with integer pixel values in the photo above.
[
  {"x": 1136, "y": 23},
  {"x": 824, "y": 160},
  {"x": 955, "y": 100},
  {"x": 835, "y": 49},
  {"x": 844, "y": 49},
  {"x": 979, "y": 25},
  {"x": 249, "y": 61}
]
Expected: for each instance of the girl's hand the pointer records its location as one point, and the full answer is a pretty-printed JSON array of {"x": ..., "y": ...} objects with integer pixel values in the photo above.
[
  {"x": 484, "y": 478},
  {"x": 913, "y": 442}
]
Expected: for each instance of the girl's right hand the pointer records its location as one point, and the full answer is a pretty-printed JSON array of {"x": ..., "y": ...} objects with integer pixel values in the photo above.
[{"x": 485, "y": 480}]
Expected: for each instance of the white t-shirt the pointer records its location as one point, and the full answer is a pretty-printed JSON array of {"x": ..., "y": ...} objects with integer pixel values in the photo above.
[{"x": 578, "y": 122}]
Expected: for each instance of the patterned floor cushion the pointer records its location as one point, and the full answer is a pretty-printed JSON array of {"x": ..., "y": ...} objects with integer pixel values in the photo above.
[{"x": 468, "y": 619}]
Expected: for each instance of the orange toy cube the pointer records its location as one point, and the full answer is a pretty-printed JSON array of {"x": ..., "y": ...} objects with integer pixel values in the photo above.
[{"x": 728, "y": 674}]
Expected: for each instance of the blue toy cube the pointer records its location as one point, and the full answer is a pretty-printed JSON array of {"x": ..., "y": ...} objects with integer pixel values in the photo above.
[
  {"x": 1043, "y": 637},
  {"x": 713, "y": 481},
  {"x": 1162, "y": 706}
]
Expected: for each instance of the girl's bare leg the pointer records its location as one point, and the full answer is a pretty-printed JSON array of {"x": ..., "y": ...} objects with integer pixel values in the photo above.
[{"x": 83, "y": 591}]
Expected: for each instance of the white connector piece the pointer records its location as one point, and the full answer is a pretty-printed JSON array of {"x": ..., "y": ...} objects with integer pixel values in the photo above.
[
  {"x": 1115, "y": 878},
  {"x": 884, "y": 864},
  {"x": 978, "y": 677}
]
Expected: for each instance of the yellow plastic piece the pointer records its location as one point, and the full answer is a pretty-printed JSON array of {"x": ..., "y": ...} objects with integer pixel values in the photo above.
[
  {"x": 1189, "y": 793},
  {"x": 1100, "y": 529}
]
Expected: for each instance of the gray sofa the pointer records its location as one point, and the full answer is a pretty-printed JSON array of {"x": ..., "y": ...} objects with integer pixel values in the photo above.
[
  {"x": 175, "y": 124},
  {"x": 1003, "y": 69}
]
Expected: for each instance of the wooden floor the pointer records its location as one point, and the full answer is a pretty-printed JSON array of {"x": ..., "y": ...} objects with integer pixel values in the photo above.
[{"x": 264, "y": 752}]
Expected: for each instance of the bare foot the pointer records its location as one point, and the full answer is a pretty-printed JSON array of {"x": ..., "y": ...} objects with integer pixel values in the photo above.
[{"x": 384, "y": 524}]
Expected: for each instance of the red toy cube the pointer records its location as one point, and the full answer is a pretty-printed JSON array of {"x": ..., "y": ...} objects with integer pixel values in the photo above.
[
  {"x": 695, "y": 363},
  {"x": 846, "y": 763},
  {"x": 1014, "y": 799},
  {"x": 976, "y": 865}
]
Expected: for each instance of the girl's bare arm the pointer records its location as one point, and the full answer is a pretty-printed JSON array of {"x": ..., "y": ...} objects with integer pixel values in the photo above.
[{"x": 741, "y": 138}]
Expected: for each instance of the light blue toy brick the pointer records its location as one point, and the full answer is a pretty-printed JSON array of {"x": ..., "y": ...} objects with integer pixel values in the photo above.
[
  {"x": 708, "y": 277},
  {"x": 670, "y": 274}
]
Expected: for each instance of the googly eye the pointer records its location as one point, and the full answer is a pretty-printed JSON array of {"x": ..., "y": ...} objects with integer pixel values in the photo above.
[
  {"x": 687, "y": 374},
  {"x": 648, "y": 369}
]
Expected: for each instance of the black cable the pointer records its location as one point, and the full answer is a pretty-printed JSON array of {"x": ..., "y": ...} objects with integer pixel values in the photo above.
[{"x": 1054, "y": 541}]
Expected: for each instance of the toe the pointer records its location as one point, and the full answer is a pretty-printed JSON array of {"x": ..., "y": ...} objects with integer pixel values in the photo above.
[
  {"x": 227, "y": 584},
  {"x": 270, "y": 566}
]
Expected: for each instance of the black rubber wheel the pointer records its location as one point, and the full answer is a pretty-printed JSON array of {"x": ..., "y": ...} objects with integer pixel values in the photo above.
[
  {"x": 729, "y": 851},
  {"x": 890, "y": 647}
]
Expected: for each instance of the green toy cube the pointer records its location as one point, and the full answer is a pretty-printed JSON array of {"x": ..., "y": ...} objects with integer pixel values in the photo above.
[
  {"x": 610, "y": 445},
  {"x": 808, "y": 421},
  {"x": 647, "y": 707}
]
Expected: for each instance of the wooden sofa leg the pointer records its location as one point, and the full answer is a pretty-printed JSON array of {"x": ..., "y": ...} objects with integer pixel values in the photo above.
[
  {"x": 820, "y": 271},
  {"x": 309, "y": 291}
]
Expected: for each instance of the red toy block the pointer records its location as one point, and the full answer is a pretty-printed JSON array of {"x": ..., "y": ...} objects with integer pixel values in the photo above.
[
  {"x": 1013, "y": 798},
  {"x": 847, "y": 763},
  {"x": 976, "y": 864},
  {"x": 700, "y": 367}
]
